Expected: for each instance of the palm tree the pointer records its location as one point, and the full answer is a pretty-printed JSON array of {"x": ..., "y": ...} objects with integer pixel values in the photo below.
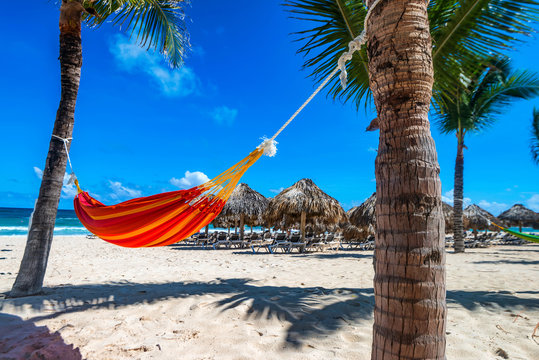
[
  {"x": 534, "y": 141},
  {"x": 481, "y": 96},
  {"x": 155, "y": 23},
  {"x": 409, "y": 284}
]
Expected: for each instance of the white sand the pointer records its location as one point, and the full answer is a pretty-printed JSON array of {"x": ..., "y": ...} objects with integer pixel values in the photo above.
[{"x": 176, "y": 303}]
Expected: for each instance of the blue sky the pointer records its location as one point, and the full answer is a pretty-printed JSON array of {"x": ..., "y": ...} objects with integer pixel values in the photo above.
[{"x": 141, "y": 128}]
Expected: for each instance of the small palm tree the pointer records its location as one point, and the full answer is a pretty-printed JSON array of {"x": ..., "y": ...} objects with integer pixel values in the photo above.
[
  {"x": 157, "y": 24},
  {"x": 482, "y": 96},
  {"x": 534, "y": 142}
]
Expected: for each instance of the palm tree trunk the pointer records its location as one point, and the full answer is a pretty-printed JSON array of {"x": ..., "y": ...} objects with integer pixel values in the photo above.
[
  {"x": 29, "y": 280},
  {"x": 409, "y": 285},
  {"x": 458, "y": 229}
]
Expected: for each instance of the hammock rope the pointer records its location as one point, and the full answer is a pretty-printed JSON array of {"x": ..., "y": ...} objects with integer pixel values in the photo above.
[{"x": 167, "y": 218}]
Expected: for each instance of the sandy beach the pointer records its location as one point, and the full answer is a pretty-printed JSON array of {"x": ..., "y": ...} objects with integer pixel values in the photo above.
[{"x": 177, "y": 302}]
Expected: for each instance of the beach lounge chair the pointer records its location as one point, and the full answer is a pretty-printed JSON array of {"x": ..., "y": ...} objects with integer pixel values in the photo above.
[
  {"x": 280, "y": 242},
  {"x": 235, "y": 241},
  {"x": 263, "y": 243},
  {"x": 221, "y": 241},
  {"x": 247, "y": 241},
  {"x": 295, "y": 242}
]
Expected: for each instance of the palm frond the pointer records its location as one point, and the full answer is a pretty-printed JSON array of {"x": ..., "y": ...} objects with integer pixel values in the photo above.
[
  {"x": 484, "y": 94},
  {"x": 460, "y": 30},
  {"x": 158, "y": 24},
  {"x": 534, "y": 144},
  {"x": 475, "y": 28},
  {"x": 336, "y": 23}
]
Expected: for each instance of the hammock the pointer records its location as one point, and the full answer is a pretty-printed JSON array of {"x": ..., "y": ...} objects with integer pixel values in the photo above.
[
  {"x": 528, "y": 237},
  {"x": 164, "y": 219}
]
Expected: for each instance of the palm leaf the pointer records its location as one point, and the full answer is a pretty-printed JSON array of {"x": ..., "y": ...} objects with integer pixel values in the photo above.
[
  {"x": 484, "y": 94},
  {"x": 475, "y": 28},
  {"x": 158, "y": 24},
  {"x": 461, "y": 31},
  {"x": 336, "y": 23},
  {"x": 534, "y": 145}
]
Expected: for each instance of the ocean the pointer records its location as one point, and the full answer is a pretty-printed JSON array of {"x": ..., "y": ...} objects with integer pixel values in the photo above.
[{"x": 14, "y": 221}]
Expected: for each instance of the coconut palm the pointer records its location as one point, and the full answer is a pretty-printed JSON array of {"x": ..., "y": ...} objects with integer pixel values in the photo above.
[
  {"x": 480, "y": 97},
  {"x": 155, "y": 24},
  {"x": 460, "y": 31},
  {"x": 534, "y": 142},
  {"x": 399, "y": 76}
]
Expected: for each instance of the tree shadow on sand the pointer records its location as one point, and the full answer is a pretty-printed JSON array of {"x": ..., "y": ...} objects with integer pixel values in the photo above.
[
  {"x": 21, "y": 339},
  {"x": 311, "y": 311}
]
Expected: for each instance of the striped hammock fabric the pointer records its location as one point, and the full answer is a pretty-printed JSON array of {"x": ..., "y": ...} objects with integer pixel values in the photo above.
[
  {"x": 167, "y": 218},
  {"x": 528, "y": 237}
]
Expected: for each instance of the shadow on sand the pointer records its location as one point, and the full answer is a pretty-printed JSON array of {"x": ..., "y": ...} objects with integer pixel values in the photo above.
[
  {"x": 311, "y": 311},
  {"x": 21, "y": 339}
]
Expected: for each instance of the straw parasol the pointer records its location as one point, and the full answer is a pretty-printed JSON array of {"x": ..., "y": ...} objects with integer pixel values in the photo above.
[
  {"x": 448, "y": 217},
  {"x": 364, "y": 215},
  {"x": 476, "y": 218},
  {"x": 520, "y": 215},
  {"x": 301, "y": 200},
  {"x": 245, "y": 205}
]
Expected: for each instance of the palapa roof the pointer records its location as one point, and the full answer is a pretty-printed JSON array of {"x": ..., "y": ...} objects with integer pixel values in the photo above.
[
  {"x": 364, "y": 215},
  {"x": 475, "y": 217},
  {"x": 448, "y": 216},
  {"x": 246, "y": 201},
  {"x": 519, "y": 213},
  {"x": 304, "y": 196}
]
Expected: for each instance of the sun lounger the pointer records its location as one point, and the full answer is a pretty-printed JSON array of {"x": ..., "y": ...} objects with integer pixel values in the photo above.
[
  {"x": 221, "y": 241},
  {"x": 280, "y": 243},
  {"x": 295, "y": 242},
  {"x": 263, "y": 243}
]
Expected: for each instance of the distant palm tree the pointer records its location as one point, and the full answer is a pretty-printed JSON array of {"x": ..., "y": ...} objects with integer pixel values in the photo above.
[
  {"x": 155, "y": 24},
  {"x": 396, "y": 65},
  {"x": 482, "y": 95},
  {"x": 534, "y": 145}
]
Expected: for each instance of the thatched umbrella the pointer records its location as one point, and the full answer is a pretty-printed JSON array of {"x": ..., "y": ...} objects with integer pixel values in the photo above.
[
  {"x": 448, "y": 216},
  {"x": 245, "y": 205},
  {"x": 519, "y": 215},
  {"x": 477, "y": 218},
  {"x": 364, "y": 215},
  {"x": 301, "y": 200}
]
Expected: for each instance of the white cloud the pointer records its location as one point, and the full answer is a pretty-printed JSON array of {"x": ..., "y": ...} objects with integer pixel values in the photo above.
[
  {"x": 493, "y": 207},
  {"x": 121, "y": 191},
  {"x": 533, "y": 202},
  {"x": 448, "y": 198},
  {"x": 276, "y": 191},
  {"x": 372, "y": 150},
  {"x": 223, "y": 115},
  {"x": 190, "y": 179},
  {"x": 133, "y": 58},
  {"x": 39, "y": 172},
  {"x": 69, "y": 191}
]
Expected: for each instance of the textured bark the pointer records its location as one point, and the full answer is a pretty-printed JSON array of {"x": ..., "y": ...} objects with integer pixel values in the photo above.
[
  {"x": 458, "y": 194},
  {"x": 29, "y": 280},
  {"x": 409, "y": 283}
]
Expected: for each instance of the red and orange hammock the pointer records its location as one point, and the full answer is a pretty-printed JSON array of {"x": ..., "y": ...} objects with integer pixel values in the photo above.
[{"x": 167, "y": 218}]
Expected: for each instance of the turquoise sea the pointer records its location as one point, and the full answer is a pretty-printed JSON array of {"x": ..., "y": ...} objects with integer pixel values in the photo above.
[{"x": 14, "y": 221}]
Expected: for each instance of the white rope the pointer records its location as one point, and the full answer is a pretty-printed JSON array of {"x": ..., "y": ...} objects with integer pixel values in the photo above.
[
  {"x": 72, "y": 177},
  {"x": 353, "y": 46}
]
